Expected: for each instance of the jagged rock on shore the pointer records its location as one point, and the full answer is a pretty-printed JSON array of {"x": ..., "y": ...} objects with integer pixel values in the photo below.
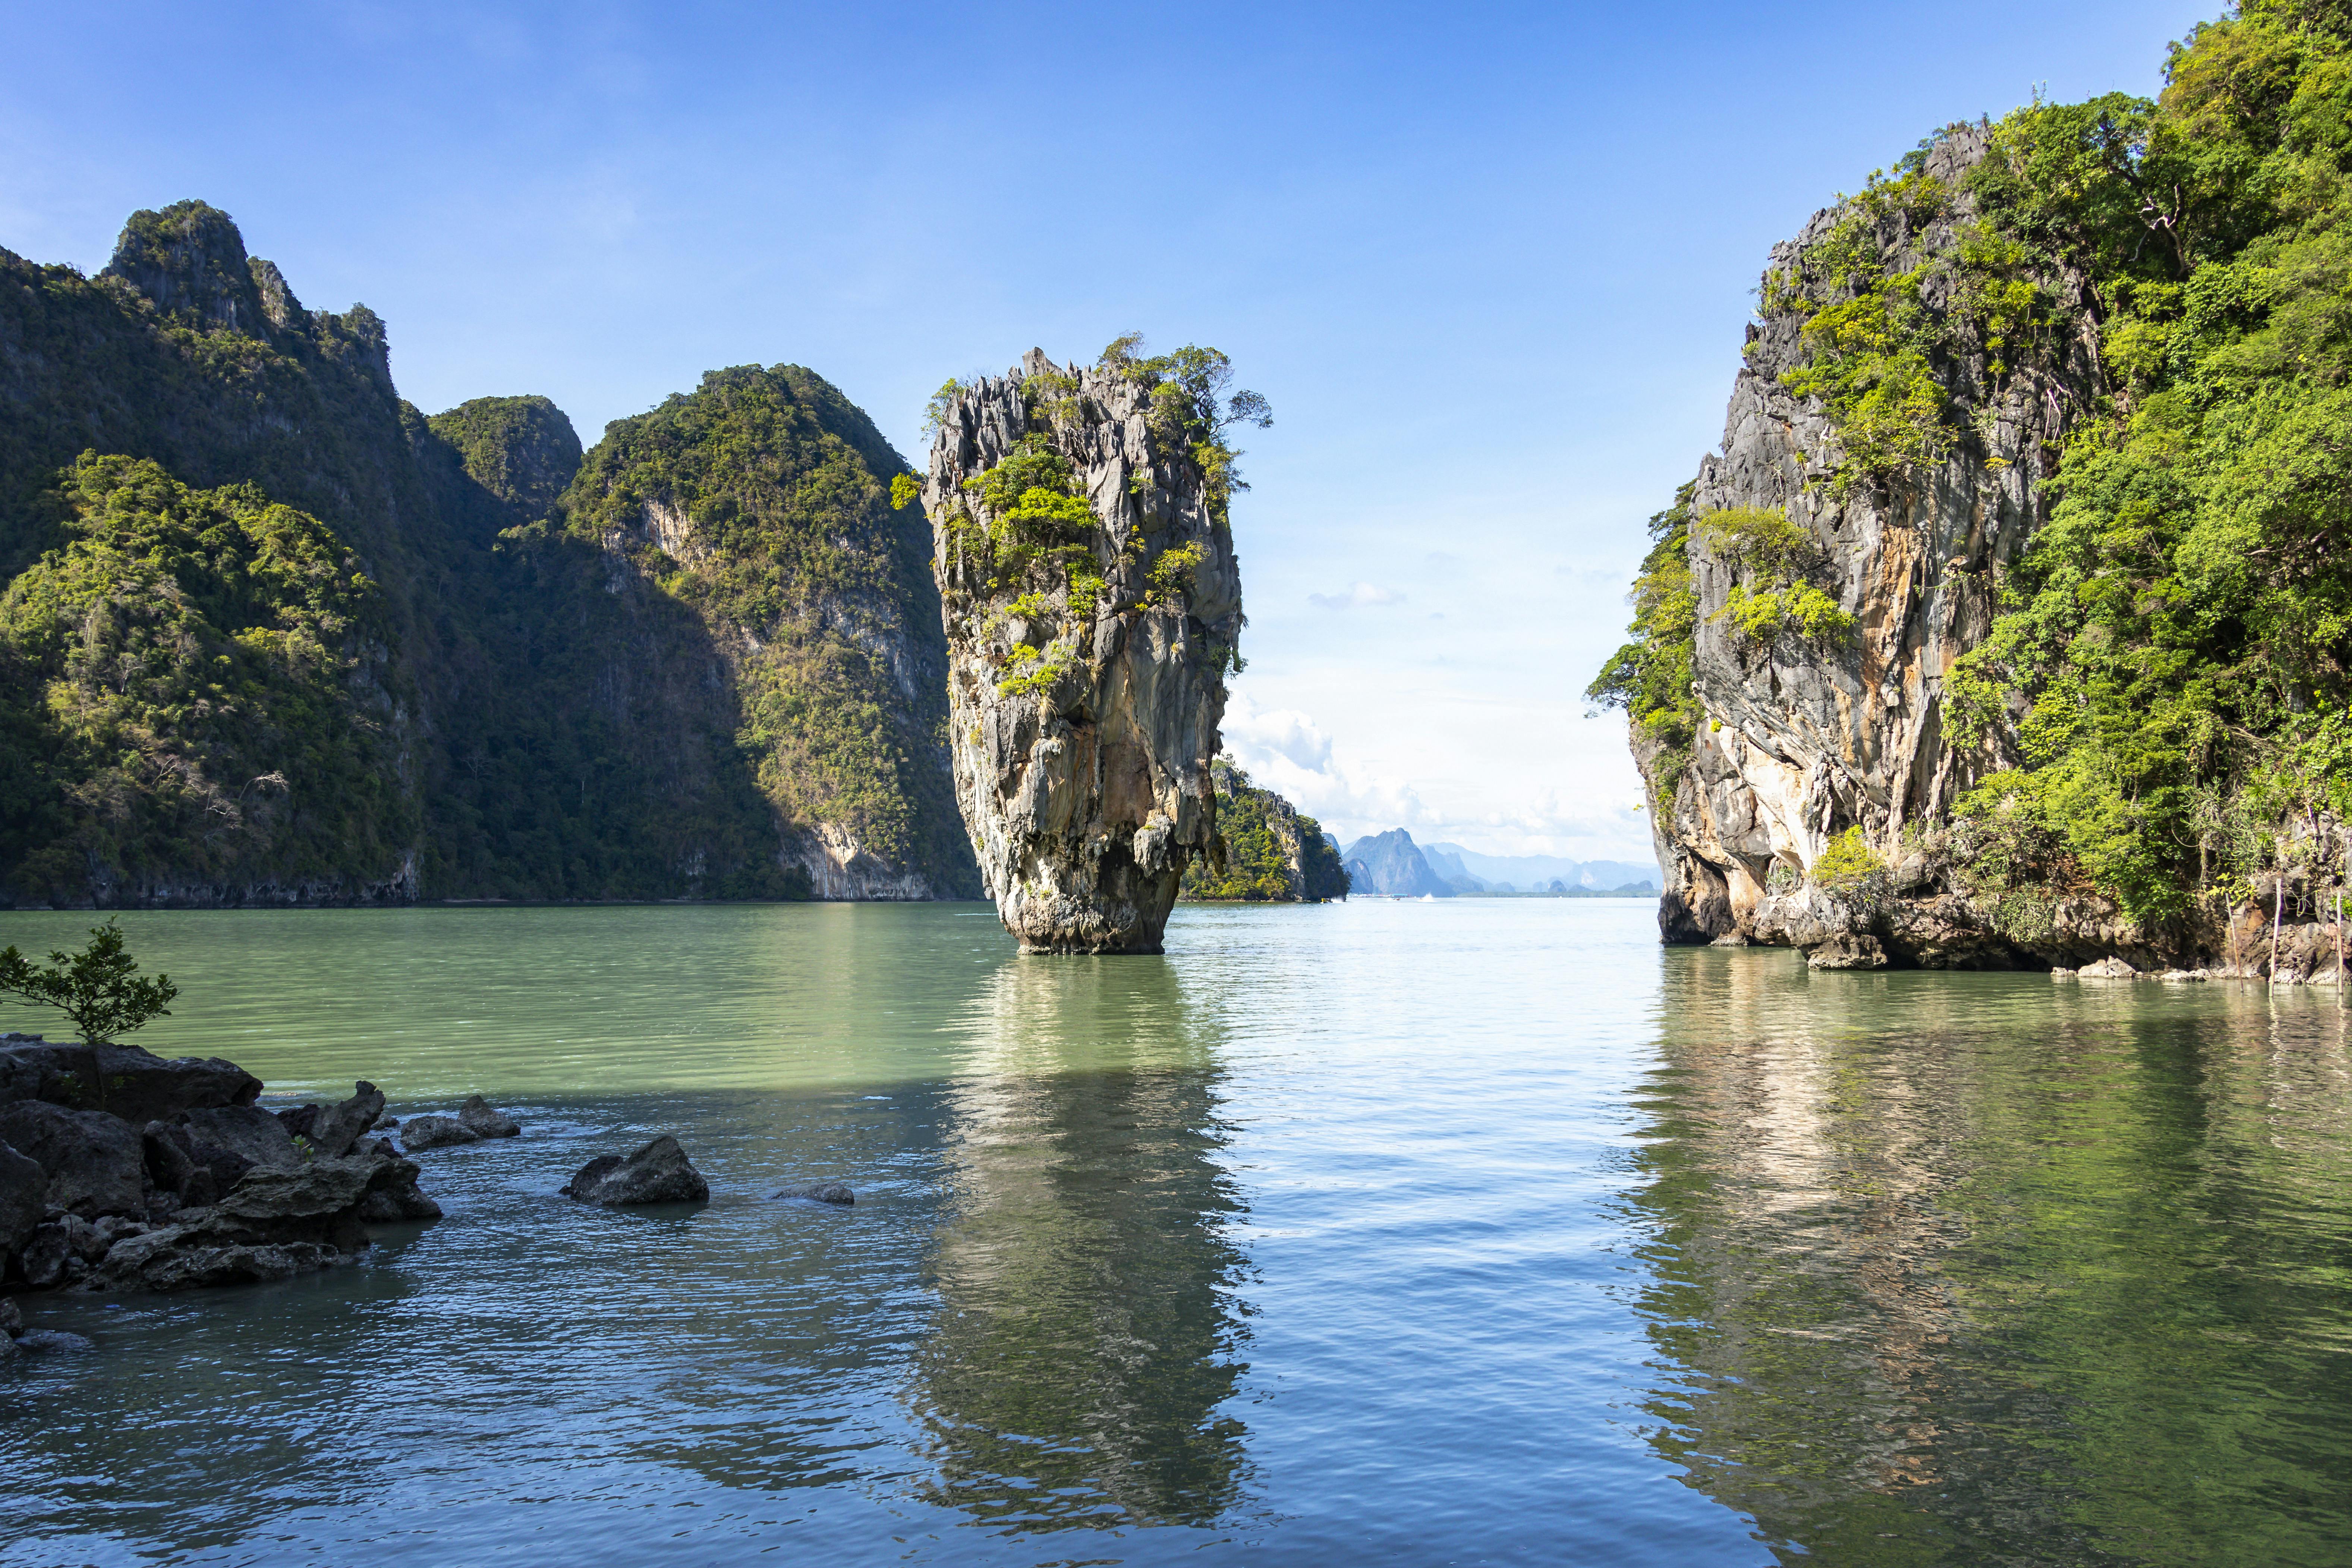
[
  {"x": 1847, "y": 950},
  {"x": 659, "y": 1172},
  {"x": 211, "y": 1189}
]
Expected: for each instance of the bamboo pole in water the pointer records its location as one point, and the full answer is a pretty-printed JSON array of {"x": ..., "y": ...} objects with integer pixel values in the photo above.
[{"x": 2278, "y": 908}]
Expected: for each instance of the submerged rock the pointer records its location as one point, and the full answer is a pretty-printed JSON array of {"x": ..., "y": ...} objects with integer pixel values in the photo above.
[
  {"x": 657, "y": 1174},
  {"x": 479, "y": 1116},
  {"x": 93, "y": 1161},
  {"x": 421, "y": 1133},
  {"x": 1093, "y": 605},
  {"x": 819, "y": 1192}
]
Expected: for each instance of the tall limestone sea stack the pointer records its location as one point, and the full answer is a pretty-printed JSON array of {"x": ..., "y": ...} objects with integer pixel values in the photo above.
[
  {"x": 1093, "y": 608},
  {"x": 2009, "y": 627}
]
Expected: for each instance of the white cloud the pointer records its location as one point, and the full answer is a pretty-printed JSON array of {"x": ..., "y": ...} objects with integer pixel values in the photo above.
[
  {"x": 1363, "y": 595},
  {"x": 1285, "y": 750}
]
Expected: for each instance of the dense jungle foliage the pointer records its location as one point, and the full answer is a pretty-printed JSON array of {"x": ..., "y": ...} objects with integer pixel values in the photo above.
[
  {"x": 1028, "y": 532},
  {"x": 1273, "y": 854},
  {"x": 762, "y": 502},
  {"x": 271, "y": 633},
  {"x": 2164, "y": 695}
]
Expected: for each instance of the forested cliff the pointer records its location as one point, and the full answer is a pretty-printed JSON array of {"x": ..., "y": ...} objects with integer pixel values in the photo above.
[
  {"x": 2013, "y": 622},
  {"x": 270, "y": 635}
]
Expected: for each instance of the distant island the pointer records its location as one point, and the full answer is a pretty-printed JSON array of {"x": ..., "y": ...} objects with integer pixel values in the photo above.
[{"x": 1390, "y": 865}]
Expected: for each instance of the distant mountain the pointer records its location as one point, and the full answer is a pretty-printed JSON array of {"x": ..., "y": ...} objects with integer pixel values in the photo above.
[
  {"x": 1471, "y": 872},
  {"x": 1390, "y": 865}
]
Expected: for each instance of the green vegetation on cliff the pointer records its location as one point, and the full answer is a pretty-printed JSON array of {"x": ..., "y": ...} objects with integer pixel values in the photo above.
[
  {"x": 1650, "y": 677},
  {"x": 2182, "y": 628},
  {"x": 763, "y": 503},
  {"x": 181, "y": 662},
  {"x": 2164, "y": 703},
  {"x": 270, "y": 634},
  {"x": 1272, "y": 853}
]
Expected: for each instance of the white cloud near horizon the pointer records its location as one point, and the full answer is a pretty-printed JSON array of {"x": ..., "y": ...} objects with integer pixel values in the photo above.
[
  {"x": 1362, "y": 596},
  {"x": 1285, "y": 750}
]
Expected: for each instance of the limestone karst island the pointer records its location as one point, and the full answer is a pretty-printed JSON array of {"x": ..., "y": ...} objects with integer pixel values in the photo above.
[{"x": 898, "y": 824}]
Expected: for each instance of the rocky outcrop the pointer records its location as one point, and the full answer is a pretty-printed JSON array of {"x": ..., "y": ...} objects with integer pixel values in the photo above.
[
  {"x": 1265, "y": 851},
  {"x": 659, "y": 1172},
  {"x": 211, "y": 1190},
  {"x": 1092, "y": 607},
  {"x": 1799, "y": 738}
]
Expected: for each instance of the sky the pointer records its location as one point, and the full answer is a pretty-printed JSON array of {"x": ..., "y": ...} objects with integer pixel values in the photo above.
[{"x": 1490, "y": 264}]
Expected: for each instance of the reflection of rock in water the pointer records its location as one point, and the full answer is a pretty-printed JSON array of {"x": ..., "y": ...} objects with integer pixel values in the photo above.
[
  {"x": 1929, "y": 1270},
  {"x": 1086, "y": 1333}
]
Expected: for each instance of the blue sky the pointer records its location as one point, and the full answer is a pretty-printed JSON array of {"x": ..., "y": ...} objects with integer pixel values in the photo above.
[{"x": 1490, "y": 264}]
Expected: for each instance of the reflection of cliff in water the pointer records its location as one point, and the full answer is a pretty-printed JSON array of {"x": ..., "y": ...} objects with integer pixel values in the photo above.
[
  {"x": 1959, "y": 1273},
  {"x": 1087, "y": 1331}
]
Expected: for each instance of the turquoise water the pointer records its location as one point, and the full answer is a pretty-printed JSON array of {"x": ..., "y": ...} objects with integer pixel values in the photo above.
[{"x": 1472, "y": 1231}]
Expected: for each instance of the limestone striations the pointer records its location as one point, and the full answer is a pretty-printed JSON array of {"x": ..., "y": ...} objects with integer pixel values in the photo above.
[
  {"x": 1797, "y": 738},
  {"x": 1092, "y": 606}
]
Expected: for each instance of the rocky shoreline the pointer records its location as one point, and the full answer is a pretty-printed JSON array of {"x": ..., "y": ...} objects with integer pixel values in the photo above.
[{"x": 121, "y": 1170}]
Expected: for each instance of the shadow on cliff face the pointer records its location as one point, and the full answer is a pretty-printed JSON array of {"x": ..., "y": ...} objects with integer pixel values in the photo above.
[{"x": 1087, "y": 1333}]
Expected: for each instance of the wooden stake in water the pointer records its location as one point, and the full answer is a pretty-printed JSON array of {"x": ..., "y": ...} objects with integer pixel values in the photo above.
[{"x": 2278, "y": 908}]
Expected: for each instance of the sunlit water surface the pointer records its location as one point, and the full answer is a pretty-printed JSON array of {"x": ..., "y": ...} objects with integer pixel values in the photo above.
[{"x": 1478, "y": 1231}]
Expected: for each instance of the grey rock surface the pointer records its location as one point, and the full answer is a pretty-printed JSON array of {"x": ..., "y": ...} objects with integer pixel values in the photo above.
[
  {"x": 819, "y": 1192},
  {"x": 24, "y": 1200},
  {"x": 481, "y": 1117},
  {"x": 93, "y": 1161},
  {"x": 2108, "y": 969},
  {"x": 1799, "y": 741},
  {"x": 1085, "y": 800},
  {"x": 1848, "y": 950},
  {"x": 12, "y": 1320},
  {"x": 659, "y": 1172},
  {"x": 421, "y": 1133},
  {"x": 124, "y": 1080},
  {"x": 338, "y": 1127},
  {"x": 250, "y": 1134}
]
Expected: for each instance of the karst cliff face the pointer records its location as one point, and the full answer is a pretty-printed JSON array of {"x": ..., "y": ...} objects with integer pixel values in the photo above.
[
  {"x": 284, "y": 640},
  {"x": 1093, "y": 605},
  {"x": 1798, "y": 738}
]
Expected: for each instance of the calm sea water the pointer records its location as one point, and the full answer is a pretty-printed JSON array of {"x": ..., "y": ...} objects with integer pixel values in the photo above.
[{"x": 1467, "y": 1232}]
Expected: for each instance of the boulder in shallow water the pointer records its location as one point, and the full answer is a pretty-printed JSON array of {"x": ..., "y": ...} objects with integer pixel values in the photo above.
[
  {"x": 819, "y": 1192},
  {"x": 488, "y": 1121},
  {"x": 94, "y": 1163},
  {"x": 181, "y": 1258},
  {"x": 1848, "y": 950},
  {"x": 2108, "y": 969},
  {"x": 24, "y": 1199},
  {"x": 657, "y": 1174},
  {"x": 338, "y": 1127},
  {"x": 420, "y": 1133}
]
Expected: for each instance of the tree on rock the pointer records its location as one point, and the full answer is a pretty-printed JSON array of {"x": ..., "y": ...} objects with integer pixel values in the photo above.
[{"x": 98, "y": 988}]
